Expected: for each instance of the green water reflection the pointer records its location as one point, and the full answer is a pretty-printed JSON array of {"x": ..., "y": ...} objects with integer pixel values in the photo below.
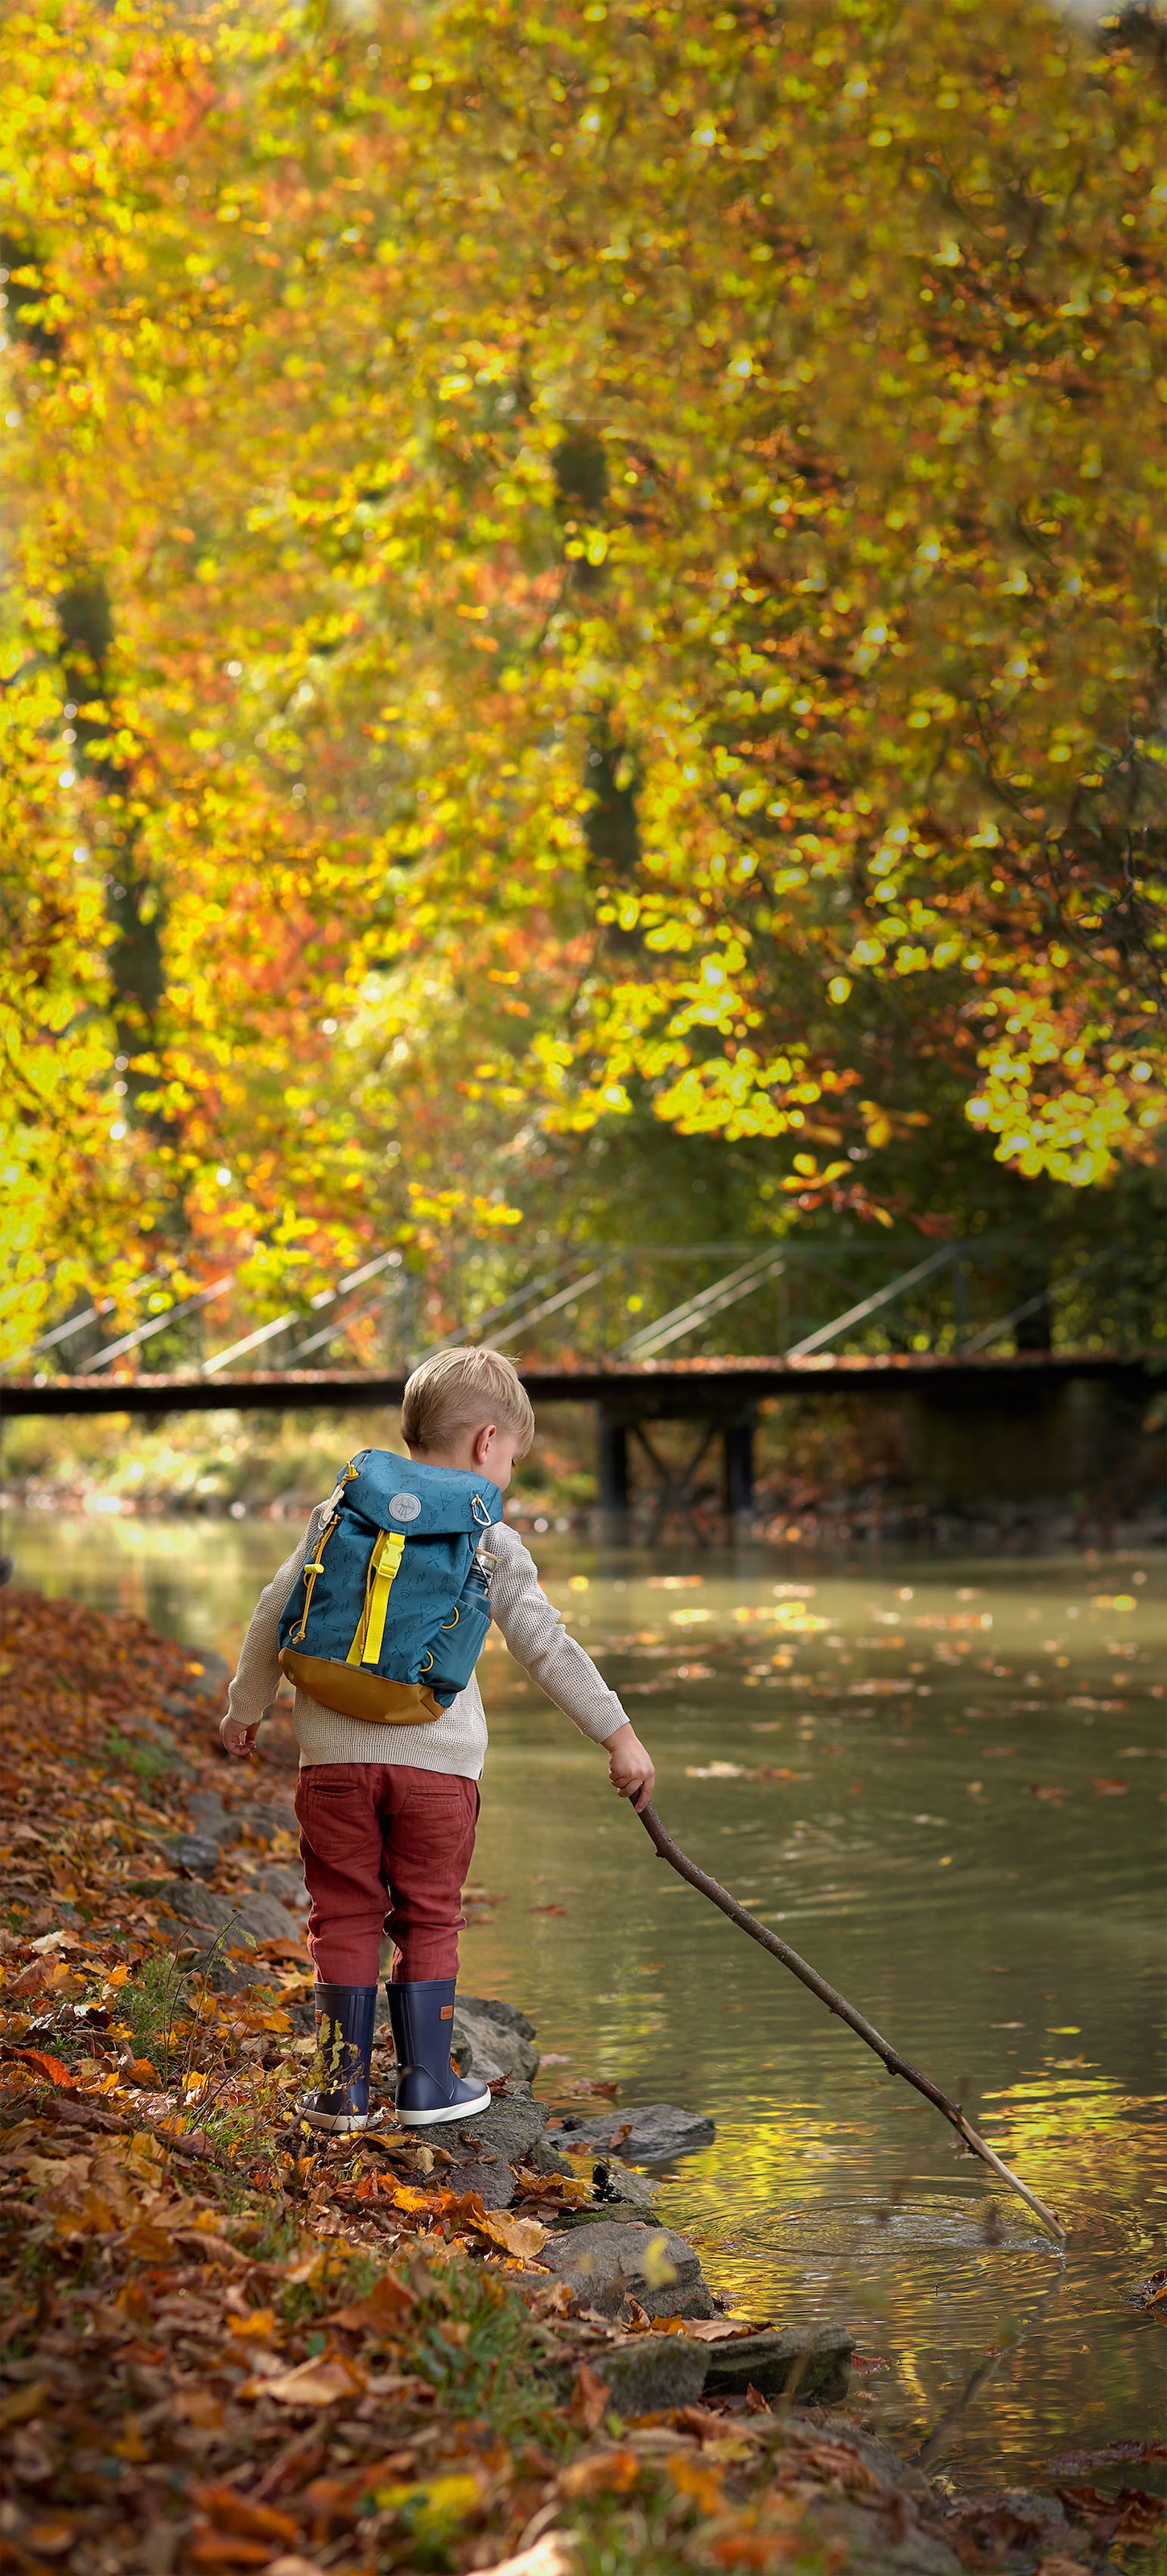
[{"x": 944, "y": 1782}]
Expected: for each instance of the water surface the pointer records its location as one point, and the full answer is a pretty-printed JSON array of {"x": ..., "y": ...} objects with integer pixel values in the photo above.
[{"x": 943, "y": 1782}]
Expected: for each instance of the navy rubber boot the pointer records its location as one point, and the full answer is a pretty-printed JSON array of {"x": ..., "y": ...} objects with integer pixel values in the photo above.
[
  {"x": 428, "y": 2091},
  {"x": 339, "y": 2103}
]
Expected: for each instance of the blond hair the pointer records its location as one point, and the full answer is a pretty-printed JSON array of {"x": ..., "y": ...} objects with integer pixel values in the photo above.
[{"x": 461, "y": 1391}]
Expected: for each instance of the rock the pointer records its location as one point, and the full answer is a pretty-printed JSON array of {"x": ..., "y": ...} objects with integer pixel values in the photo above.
[
  {"x": 211, "y": 1818},
  {"x": 211, "y": 1682},
  {"x": 196, "y": 1853},
  {"x": 487, "y": 2045},
  {"x": 809, "y": 2361},
  {"x": 544, "y": 2160},
  {"x": 657, "y": 2132},
  {"x": 510, "y": 2128},
  {"x": 1047, "y": 2513},
  {"x": 263, "y": 1916},
  {"x": 879, "y": 2456},
  {"x": 151, "y": 1748},
  {"x": 494, "y": 2182},
  {"x": 616, "y": 2181},
  {"x": 508, "y": 2014},
  {"x": 284, "y": 1879},
  {"x": 606, "y": 2264},
  {"x": 656, "y": 2371},
  {"x": 867, "y": 2542},
  {"x": 613, "y": 2213}
]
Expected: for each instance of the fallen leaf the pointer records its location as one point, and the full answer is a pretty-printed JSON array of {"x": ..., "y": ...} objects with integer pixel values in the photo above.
[
  {"x": 199, "y": 2406},
  {"x": 600, "y": 2473},
  {"x": 26, "y": 2402},
  {"x": 1053, "y": 1796},
  {"x": 258, "y": 2326},
  {"x": 553, "y": 2555},
  {"x": 210, "y": 2548},
  {"x": 42, "y": 2064},
  {"x": 388, "y": 2301},
  {"x": 590, "y": 2400},
  {"x": 524, "y": 2237},
  {"x": 1109, "y": 1788},
  {"x": 234, "y": 2512},
  {"x": 1129, "y": 2515},
  {"x": 318, "y": 2382}
]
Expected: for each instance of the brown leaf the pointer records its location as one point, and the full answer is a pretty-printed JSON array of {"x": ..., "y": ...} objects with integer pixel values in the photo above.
[
  {"x": 553, "y": 2555},
  {"x": 233, "y": 2512},
  {"x": 319, "y": 2382},
  {"x": 612, "y": 2472},
  {"x": 42, "y": 2064},
  {"x": 1129, "y": 2515},
  {"x": 210, "y": 2548},
  {"x": 26, "y": 2402},
  {"x": 388, "y": 2301},
  {"x": 590, "y": 2400},
  {"x": 1109, "y": 1788}
]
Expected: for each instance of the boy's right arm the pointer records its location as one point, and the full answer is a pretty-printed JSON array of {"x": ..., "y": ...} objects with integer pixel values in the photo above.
[{"x": 258, "y": 1676}]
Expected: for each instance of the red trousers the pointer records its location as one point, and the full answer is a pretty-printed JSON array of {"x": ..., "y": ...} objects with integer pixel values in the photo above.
[{"x": 385, "y": 1848}]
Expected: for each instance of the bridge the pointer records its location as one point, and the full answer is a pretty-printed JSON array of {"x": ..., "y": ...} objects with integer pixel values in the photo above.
[{"x": 1003, "y": 1391}]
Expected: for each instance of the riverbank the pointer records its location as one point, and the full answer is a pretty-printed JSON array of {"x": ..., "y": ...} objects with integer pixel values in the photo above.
[
  {"x": 828, "y": 1480},
  {"x": 226, "y": 2347}
]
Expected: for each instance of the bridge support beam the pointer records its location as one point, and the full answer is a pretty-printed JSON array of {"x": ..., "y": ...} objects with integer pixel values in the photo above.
[
  {"x": 738, "y": 1484},
  {"x": 613, "y": 1474}
]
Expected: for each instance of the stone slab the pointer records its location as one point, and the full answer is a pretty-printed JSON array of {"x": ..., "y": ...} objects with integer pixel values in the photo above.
[
  {"x": 657, "y": 2131},
  {"x": 809, "y": 2362},
  {"x": 608, "y": 2263},
  {"x": 486, "y": 2045},
  {"x": 615, "y": 2180},
  {"x": 209, "y": 1912},
  {"x": 656, "y": 2371},
  {"x": 616, "y": 2213},
  {"x": 494, "y": 2182},
  {"x": 511, "y": 2126}
]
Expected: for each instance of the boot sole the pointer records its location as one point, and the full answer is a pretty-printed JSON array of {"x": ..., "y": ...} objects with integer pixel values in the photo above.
[
  {"x": 435, "y": 2119},
  {"x": 341, "y": 2124}
]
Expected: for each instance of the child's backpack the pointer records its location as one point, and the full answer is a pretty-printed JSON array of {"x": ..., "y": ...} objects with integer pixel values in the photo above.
[{"x": 390, "y": 1614}]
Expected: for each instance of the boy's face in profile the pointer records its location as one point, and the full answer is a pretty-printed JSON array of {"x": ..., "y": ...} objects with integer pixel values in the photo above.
[{"x": 486, "y": 1451}]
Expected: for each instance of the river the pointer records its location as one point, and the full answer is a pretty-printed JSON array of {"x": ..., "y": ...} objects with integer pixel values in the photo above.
[{"x": 943, "y": 1783}]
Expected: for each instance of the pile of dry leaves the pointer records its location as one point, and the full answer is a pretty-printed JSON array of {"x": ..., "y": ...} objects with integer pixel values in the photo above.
[{"x": 228, "y": 2346}]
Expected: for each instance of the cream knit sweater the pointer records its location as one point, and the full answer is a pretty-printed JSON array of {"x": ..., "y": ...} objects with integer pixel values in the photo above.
[{"x": 456, "y": 1742}]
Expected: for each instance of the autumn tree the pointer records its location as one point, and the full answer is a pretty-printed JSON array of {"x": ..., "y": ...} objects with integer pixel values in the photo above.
[{"x": 627, "y": 555}]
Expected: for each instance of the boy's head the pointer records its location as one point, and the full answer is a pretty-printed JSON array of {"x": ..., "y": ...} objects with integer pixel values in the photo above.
[{"x": 468, "y": 1409}]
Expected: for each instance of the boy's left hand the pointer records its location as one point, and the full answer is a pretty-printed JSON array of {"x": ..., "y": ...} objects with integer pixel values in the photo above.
[{"x": 630, "y": 1768}]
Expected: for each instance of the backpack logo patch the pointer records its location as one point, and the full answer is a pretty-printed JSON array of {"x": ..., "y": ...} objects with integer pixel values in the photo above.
[{"x": 405, "y": 1507}]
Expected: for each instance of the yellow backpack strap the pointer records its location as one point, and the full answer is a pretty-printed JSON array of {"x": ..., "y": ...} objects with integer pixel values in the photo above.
[{"x": 383, "y": 1564}]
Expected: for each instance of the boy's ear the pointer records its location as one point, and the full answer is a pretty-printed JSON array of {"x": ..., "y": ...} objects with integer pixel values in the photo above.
[{"x": 482, "y": 1443}]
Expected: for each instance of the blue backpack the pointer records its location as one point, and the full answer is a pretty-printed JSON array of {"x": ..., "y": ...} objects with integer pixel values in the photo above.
[{"x": 390, "y": 1614}]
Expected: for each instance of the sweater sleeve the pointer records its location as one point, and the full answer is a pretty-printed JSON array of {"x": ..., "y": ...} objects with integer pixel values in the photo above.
[
  {"x": 258, "y": 1676},
  {"x": 537, "y": 1638}
]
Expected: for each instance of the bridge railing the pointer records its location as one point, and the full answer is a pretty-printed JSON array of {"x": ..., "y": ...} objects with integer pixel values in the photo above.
[{"x": 635, "y": 1304}]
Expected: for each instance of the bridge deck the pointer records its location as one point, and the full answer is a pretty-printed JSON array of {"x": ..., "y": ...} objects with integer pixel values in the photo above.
[{"x": 631, "y": 1391}]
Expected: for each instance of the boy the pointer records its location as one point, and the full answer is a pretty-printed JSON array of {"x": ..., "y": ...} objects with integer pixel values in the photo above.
[{"x": 387, "y": 1813}]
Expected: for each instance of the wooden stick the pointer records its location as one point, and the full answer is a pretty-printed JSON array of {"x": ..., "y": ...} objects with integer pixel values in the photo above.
[{"x": 668, "y": 1850}]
